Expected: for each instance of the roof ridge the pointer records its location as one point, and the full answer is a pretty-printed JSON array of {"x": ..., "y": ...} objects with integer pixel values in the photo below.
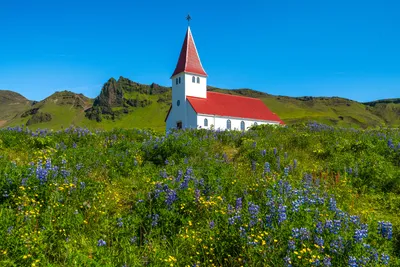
[
  {"x": 189, "y": 34},
  {"x": 234, "y": 95}
]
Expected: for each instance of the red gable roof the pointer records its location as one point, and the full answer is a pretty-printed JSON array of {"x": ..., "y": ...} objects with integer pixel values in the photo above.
[
  {"x": 232, "y": 106},
  {"x": 189, "y": 60}
]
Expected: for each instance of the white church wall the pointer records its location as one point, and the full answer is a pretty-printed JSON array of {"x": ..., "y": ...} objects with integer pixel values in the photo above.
[
  {"x": 177, "y": 113},
  {"x": 220, "y": 122},
  {"x": 195, "y": 89},
  {"x": 191, "y": 116}
]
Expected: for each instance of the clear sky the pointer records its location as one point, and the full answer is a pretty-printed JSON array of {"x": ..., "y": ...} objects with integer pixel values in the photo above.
[{"x": 347, "y": 48}]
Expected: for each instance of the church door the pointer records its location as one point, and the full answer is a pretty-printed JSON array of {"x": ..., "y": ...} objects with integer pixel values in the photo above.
[{"x": 179, "y": 125}]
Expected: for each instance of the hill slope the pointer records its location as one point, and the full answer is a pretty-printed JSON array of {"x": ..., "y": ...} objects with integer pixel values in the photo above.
[
  {"x": 61, "y": 109},
  {"x": 328, "y": 110},
  {"x": 11, "y": 103},
  {"x": 123, "y": 103}
]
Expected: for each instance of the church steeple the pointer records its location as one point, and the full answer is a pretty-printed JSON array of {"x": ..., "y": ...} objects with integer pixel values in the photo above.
[{"x": 189, "y": 60}]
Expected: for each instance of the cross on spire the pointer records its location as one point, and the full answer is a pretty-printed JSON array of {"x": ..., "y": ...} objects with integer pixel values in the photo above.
[{"x": 188, "y": 18}]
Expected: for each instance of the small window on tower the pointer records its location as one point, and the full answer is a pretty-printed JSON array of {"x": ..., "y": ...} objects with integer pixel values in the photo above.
[
  {"x": 179, "y": 79},
  {"x": 198, "y": 80},
  {"x": 193, "y": 79},
  {"x": 205, "y": 122},
  {"x": 176, "y": 80}
]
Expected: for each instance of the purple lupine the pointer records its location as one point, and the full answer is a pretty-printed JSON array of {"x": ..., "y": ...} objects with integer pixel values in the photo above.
[
  {"x": 360, "y": 234},
  {"x": 253, "y": 165},
  {"x": 163, "y": 174},
  {"x": 278, "y": 162},
  {"x": 101, "y": 243},
  {"x": 385, "y": 229},
  {"x": 212, "y": 225},
  {"x": 253, "y": 211},
  {"x": 319, "y": 241},
  {"x": 233, "y": 219},
  {"x": 239, "y": 204},
  {"x": 154, "y": 221},
  {"x": 294, "y": 163},
  {"x": 119, "y": 222},
  {"x": 263, "y": 152},
  {"x": 292, "y": 245},
  {"x": 337, "y": 224},
  {"x": 275, "y": 151},
  {"x": 281, "y": 214},
  {"x": 171, "y": 197},
  {"x": 332, "y": 204},
  {"x": 295, "y": 233},
  {"x": 197, "y": 195},
  {"x": 179, "y": 176},
  {"x": 328, "y": 225},
  {"x": 319, "y": 228},
  {"x": 385, "y": 259},
  {"x": 352, "y": 262},
  {"x": 286, "y": 171},
  {"x": 267, "y": 168},
  {"x": 327, "y": 261},
  {"x": 304, "y": 234},
  {"x": 268, "y": 220},
  {"x": 355, "y": 219}
]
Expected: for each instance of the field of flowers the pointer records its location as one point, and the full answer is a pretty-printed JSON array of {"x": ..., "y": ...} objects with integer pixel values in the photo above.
[{"x": 291, "y": 196}]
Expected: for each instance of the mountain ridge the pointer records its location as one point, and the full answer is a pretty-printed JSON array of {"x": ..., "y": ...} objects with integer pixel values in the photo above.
[{"x": 127, "y": 104}]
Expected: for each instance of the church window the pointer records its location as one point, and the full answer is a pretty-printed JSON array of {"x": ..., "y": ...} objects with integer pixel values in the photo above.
[
  {"x": 179, "y": 79},
  {"x": 193, "y": 79},
  {"x": 255, "y": 124},
  {"x": 198, "y": 80},
  {"x": 178, "y": 103},
  {"x": 242, "y": 126},
  {"x": 205, "y": 122},
  {"x": 228, "y": 124},
  {"x": 176, "y": 80}
]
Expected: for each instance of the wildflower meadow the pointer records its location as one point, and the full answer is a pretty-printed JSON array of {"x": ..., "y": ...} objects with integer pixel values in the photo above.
[{"x": 307, "y": 195}]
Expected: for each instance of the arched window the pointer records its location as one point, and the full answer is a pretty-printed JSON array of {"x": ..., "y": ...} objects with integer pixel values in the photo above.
[
  {"x": 205, "y": 123},
  {"x": 193, "y": 79},
  {"x": 176, "y": 80},
  {"x": 255, "y": 124},
  {"x": 198, "y": 80},
  {"x": 179, "y": 79},
  {"x": 228, "y": 124},
  {"x": 242, "y": 126}
]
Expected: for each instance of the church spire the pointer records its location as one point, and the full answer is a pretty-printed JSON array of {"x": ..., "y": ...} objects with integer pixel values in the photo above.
[{"x": 189, "y": 60}]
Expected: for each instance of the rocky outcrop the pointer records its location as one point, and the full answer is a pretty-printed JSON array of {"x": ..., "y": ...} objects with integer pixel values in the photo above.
[{"x": 39, "y": 117}]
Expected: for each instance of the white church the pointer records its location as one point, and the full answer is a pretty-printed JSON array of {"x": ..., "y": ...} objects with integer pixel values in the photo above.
[{"x": 194, "y": 107}]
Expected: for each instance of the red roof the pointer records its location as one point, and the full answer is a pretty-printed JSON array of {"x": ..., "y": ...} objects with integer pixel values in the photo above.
[
  {"x": 232, "y": 106},
  {"x": 189, "y": 60}
]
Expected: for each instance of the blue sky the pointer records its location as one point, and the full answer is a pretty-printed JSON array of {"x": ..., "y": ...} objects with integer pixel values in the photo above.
[{"x": 320, "y": 48}]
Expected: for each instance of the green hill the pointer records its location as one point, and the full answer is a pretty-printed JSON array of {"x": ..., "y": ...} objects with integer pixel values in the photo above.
[
  {"x": 59, "y": 110},
  {"x": 123, "y": 103},
  {"x": 11, "y": 104}
]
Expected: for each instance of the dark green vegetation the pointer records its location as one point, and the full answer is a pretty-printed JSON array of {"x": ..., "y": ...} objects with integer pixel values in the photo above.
[
  {"x": 123, "y": 103},
  {"x": 289, "y": 196}
]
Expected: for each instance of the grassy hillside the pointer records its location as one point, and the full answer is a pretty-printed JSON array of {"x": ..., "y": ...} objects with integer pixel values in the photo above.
[
  {"x": 123, "y": 103},
  {"x": 65, "y": 109},
  {"x": 328, "y": 110},
  {"x": 11, "y": 104}
]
